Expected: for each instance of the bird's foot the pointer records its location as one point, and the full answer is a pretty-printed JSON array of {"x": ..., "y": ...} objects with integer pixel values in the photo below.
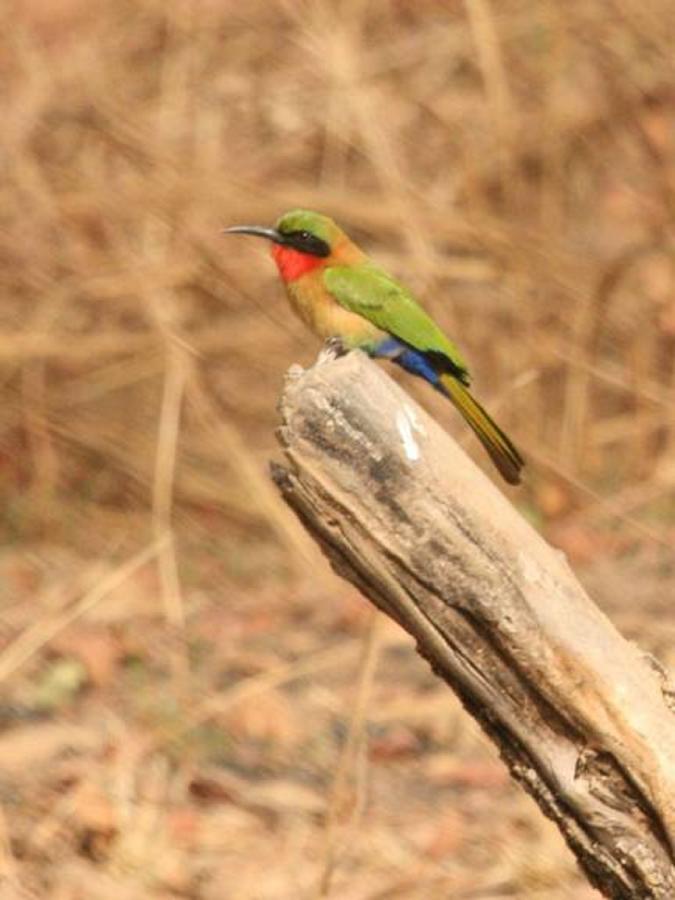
[{"x": 332, "y": 349}]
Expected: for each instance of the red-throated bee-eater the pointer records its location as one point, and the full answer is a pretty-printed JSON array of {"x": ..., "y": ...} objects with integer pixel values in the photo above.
[{"x": 339, "y": 293}]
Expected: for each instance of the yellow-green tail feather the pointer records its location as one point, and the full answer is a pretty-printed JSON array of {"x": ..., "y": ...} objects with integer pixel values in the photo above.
[{"x": 500, "y": 448}]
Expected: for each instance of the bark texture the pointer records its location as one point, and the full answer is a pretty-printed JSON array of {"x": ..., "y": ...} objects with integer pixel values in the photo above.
[{"x": 582, "y": 718}]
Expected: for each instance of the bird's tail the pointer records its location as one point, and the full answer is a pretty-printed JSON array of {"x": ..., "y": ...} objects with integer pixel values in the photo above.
[{"x": 502, "y": 451}]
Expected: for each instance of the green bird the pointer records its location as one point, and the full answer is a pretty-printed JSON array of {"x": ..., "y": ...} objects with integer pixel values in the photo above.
[{"x": 341, "y": 294}]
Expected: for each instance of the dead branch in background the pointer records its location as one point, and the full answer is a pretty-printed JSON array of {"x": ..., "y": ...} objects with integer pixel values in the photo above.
[{"x": 579, "y": 715}]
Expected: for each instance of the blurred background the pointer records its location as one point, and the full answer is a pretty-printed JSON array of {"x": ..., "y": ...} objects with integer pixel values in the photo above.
[{"x": 191, "y": 704}]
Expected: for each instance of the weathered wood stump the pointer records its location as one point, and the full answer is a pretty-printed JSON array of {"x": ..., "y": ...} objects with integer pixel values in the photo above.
[{"x": 583, "y": 719}]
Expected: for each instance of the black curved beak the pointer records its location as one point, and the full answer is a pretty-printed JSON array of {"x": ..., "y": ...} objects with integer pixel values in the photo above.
[{"x": 270, "y": 233}]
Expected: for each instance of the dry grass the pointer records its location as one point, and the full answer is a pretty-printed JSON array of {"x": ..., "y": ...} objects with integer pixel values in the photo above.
[{"x": 515, "y": 163}]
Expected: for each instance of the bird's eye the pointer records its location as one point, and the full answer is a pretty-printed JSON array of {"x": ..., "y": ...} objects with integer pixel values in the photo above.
[{"x": 307, "y": 242}]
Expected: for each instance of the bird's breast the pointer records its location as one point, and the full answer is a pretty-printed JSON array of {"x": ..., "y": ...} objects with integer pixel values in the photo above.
[{"x": 324, "y": 315}]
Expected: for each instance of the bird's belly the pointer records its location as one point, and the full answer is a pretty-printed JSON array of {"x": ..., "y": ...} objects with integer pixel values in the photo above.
[{"x": 326, "y": 318}]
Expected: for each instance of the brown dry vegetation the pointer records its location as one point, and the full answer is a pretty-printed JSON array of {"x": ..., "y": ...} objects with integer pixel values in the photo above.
[{"x": 192, "y": 706}]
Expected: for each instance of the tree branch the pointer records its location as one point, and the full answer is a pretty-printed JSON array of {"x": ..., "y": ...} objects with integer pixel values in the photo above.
[{"x": 580, "y": 716}]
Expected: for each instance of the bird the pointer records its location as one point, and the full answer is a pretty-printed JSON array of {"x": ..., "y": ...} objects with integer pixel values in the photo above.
[{"x": 345, "y": 298}]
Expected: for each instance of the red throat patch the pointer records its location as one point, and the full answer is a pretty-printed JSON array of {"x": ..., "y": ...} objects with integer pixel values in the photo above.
[{"x": 292, "y": 263}]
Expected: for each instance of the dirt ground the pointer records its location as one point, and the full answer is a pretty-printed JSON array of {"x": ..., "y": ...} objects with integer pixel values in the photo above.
[
  {"x": 138, "y": 760},
  {"x": 191, "y": 704}
]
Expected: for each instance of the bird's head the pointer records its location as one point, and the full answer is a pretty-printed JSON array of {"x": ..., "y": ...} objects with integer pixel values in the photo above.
[{"x": 302, "y": 241}]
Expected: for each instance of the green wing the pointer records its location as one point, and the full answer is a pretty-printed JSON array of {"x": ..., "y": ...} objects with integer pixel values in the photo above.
[{"x": 369, "y": 292}]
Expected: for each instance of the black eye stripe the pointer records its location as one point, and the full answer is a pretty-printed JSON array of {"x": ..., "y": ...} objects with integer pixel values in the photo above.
[{"x": 307, "y": 243}]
